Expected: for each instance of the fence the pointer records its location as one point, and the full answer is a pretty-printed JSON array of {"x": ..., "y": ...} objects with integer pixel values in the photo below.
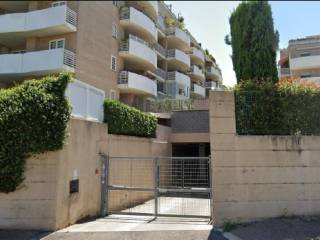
[{"x": 157, "y": 186}]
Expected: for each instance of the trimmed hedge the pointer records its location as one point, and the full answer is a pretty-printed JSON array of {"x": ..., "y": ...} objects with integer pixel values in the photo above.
[
  {"x": 285, "y": 108},
  {"x": 33, "y": 119},
  {"x": 125, "y": 120}
]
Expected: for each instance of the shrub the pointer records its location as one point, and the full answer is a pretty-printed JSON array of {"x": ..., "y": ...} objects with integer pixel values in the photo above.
[
  {"x": 33, "y": 120},
  {"x": 125, "y": 120},
  {"x": 286, "y": 108}
]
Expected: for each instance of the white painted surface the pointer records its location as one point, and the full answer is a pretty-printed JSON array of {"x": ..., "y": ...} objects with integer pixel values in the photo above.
[
  {"x": 197, "y": 71},
  {"x": 140, "y": 83},
  {"x": 45, "y": 61},
  {"x": 154, "y": 5},
  {"x": 198, "y": 53},
  {"x": 182, "y": 57},
  {"x": 35, "y": 20},
  {"x": 182, "y": 79},
  {"x": 86, "y": 101},
  {"x": 199, "y": 90},
  {"x": 182, "y": 35},
  {"x": 308, "y": 62},
  {"x": 143, "y": 21},
  {"x": 213, "y": 71},
  {"x": 143, "y": 51}
]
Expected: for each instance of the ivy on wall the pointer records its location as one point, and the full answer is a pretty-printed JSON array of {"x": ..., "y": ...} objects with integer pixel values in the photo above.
[
  {"x": 33, "y": 119},
  {"x": 286, "y": 108},
  {"x": 125, "y": 120}
]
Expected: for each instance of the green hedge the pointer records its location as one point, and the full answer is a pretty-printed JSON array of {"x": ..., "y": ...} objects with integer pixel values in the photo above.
[
  {"x": 277, "y": 109},
  {"x": 33, "y": 119},
  {"x": 125, "y": 120}
]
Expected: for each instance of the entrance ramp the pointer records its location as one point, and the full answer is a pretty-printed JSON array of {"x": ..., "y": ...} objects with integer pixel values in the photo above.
[{"x": 129, "y": 227}]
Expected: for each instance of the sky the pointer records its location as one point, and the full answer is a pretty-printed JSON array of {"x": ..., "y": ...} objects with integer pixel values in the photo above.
[{"x": 208, "y": 22}]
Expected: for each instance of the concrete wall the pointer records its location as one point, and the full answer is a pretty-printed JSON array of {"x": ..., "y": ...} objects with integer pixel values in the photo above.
[
  {"x": 43, "y": 201},
  {"x": 256, "y": 177}
]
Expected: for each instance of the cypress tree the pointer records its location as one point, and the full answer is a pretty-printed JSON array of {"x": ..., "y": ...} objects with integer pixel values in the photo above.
[{"x": 254, "y": 42}]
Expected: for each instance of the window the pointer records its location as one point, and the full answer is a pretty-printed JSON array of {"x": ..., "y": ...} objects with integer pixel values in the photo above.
[
  {"x": 114, "y": 30},
  {"x": 58, "y": 3},
  {"x": 57, "y": 43},
  {"x": 113, "y": 94},
  {"x": 113, "y": 63}
]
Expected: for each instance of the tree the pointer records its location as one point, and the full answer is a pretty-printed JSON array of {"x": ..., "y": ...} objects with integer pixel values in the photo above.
[{"x": 254, "y": 42}]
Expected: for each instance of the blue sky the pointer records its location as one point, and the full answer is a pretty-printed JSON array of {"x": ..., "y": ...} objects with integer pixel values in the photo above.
[{"x": 208, "y": 21}]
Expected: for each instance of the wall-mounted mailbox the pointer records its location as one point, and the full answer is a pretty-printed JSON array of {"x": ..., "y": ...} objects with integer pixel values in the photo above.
[{"x": 74, "y": 186}]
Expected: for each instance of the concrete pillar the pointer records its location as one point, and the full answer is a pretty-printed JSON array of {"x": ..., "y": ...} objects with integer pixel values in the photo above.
[{"x": 222, "y": 135}]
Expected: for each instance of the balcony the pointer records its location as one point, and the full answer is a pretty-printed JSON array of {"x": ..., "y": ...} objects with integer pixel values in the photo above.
[
  {"x": 211, "y": 85},
  {"x": 197, "y": 56},
  {"x": 38, "y": 63},
  {"x": 178, "y": 39},
  {"x": 178, "y": 60},
  {"x": 178, "y": 85},
  {"x": 196, "y": 73},
  {"x": 137, "y": 54},
  {"x": 308, "y": 62},
  {"x": 150, "y": 7},
  {"x": 137, "y": 23},
  {"x": 39, "y": 23},
  {"x": 198, "y": 90},
  {"x": 161, "y": 51},
  {"x": 130, "y": 82},
  {"x": 159, "y": 74},
  {"x": 213, "y": 73}
]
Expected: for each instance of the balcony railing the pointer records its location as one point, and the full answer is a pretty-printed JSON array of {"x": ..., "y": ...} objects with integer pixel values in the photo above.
[
  {"x": 160, "y": 73},
  {"x": 140, "y": 49},
  {"x": 179, "y": 55},
  {"x": 71, "y": 17},
  {"x": 199, "y": 90},
  {"x": 59, "y": 19},
  {"x": 211, "y": 84},
  {"x": 195, "y": 70},
  {"x": 182, "y": 35},
  {"x": 196, "y": 53},
  {"x": 307, "y": 62},
  {"x": 37, "y": 62},
  {"x": 136, "y": 83},
  {"x": 161, "y": 50},
  {"x": 134, "y": 18}
]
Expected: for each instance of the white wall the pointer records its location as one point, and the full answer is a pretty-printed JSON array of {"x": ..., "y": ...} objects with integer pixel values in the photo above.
[
  {"x": 34, "y": 20},
  {"x": 86, "y": 101}
]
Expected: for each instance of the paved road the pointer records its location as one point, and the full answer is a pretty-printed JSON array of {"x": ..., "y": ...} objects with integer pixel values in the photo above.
[
  {"x": 21, "y": 234},
  {"x": 281, "y": 229}
]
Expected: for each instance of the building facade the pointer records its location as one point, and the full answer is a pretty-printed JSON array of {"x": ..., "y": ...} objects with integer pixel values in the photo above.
[
  {"x": 301, "y": 59},
  {"x": 126, "y": 50}
]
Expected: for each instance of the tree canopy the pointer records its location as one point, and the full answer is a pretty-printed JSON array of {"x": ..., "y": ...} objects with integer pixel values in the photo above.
[{"x": 254, "y": 42}]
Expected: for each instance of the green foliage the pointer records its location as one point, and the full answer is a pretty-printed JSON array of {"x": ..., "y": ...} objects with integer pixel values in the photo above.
[
  {"x": 125, "y": 120},
  {"x": 277, "y": 109},
  {"x": 170, "y": 22},
  {"x": 33, "y": 120},
  {"x": 254, "y": 42}
]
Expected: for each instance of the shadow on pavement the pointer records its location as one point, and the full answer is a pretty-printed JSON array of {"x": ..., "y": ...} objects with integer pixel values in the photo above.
[{"x": 22, "y": 234}]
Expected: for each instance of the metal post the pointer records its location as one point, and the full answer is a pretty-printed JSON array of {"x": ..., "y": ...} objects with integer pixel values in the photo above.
[
  {"x": 182, "y": 173},
  {"x": 156, "y": 185},
  {"x": 104, "y": 185},
  {"x": 211, "y": 189}
]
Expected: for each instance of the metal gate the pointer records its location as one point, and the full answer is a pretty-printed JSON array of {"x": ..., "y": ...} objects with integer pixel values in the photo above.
[{"x": 157, "y": 186}]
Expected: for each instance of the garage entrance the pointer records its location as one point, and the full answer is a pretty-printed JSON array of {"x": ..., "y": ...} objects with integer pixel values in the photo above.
[{"x": 157, "y": 186}]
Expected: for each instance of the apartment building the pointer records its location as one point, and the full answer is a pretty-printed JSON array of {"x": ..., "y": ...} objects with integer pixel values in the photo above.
[
  {"x": 127, "y": 50},
  {"x": 301, "y": 59}
]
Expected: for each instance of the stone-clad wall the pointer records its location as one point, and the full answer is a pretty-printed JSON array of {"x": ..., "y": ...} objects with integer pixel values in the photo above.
[{"x": 256, "y": 177}]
